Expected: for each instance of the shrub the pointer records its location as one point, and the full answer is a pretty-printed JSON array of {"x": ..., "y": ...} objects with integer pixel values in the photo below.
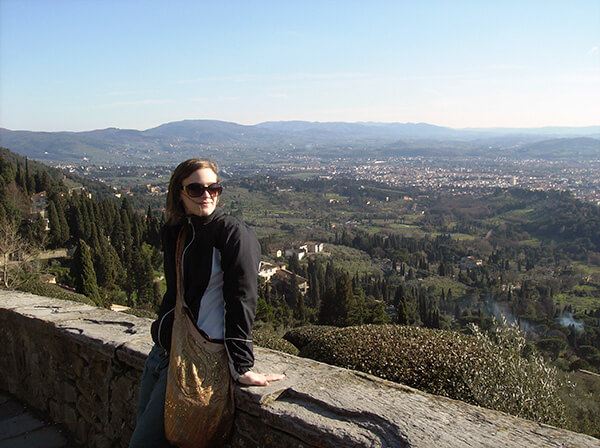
[
  {"x": 270, "y": 339},
  {"x": 51, "y": 290},
  {"x": 554, "y": 346},
  {"x": 483, "y": 369},
  {"x": 579, "y": 364},
  {"x": 594, "y": 360},
  {"x": 582, "y": 402},
  {"x": 141, "y": 312},
  {"x": 588, "y": 351},
  {"x": 303, "y": 336}
]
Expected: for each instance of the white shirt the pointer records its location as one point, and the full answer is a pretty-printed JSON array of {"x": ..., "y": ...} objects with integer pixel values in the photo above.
[{"x": 211, "y": 316}]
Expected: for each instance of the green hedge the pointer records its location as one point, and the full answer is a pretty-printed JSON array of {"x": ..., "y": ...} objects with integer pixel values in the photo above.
[
  {"x": 269, "y": 339},
  {"x": 302, "y": 336},
  {"x": 51, "y": 290},
  {"x": 486, "y": 370},
  {"x": 141, "y": 312}
]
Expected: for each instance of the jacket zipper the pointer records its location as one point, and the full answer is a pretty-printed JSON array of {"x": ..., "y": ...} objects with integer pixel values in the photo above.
[{"x": 189, "y": 219}]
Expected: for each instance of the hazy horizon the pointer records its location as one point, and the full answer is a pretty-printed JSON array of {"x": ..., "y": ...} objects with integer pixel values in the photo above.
[{"x": 594, "y": 128}]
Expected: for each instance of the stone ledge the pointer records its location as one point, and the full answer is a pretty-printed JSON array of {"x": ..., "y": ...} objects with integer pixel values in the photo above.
[{"x": 93, "y": 358}]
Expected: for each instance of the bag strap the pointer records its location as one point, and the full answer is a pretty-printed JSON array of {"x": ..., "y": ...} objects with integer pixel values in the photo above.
[{"x": 180, "y": 247}]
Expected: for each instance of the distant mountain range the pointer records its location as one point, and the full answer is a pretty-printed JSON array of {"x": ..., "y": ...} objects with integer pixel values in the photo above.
[{"x": 231, "y": 142}]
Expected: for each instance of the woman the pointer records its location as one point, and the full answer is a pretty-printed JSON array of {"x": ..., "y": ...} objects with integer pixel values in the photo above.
[{"x": 220, "y": 265}]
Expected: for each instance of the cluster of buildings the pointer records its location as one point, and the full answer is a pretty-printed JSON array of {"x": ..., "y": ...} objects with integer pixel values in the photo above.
[
  {"x": 279, "y": 276},
  {"x": 300, "y": 251},
  {"x": 464, "y": 176}
]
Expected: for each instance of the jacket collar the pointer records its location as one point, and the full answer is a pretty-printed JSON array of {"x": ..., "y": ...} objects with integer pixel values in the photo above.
[{"x": 203, "y": 220}]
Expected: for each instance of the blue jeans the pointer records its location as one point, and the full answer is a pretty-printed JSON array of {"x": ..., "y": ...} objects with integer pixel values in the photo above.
[{"x": 150, "y": 426}]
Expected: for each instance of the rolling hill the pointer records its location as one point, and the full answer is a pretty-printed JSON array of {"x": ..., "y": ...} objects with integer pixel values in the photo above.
[{"x": 171, "y": 142}]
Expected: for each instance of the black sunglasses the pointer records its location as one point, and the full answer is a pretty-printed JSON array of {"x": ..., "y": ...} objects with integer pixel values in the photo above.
[{"x": 196, "y": 190}]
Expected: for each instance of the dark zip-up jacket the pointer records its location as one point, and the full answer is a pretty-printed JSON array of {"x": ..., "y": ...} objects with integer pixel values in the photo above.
[{"x": 240, "y": 257}]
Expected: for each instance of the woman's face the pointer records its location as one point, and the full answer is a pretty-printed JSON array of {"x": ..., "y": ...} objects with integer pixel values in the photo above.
[{"x": 205, "y": 204}]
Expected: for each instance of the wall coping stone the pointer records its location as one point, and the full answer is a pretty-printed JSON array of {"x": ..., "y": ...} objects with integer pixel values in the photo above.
[{"x": 316, "y": 405}]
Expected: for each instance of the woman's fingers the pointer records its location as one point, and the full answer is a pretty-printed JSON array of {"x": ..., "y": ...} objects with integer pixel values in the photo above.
[
  {"x": 259, "y": 379},
  {"x": 274, "y": 376}
]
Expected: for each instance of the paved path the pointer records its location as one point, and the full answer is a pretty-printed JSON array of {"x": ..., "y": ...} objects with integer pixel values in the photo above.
[{"x": 20, "y": 428}]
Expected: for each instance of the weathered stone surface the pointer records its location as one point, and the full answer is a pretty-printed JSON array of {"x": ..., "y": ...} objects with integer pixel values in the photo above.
[
  {"x": 85, "y": 363},
  {"x": 133, "y": 353},
  {"x": 327, "y": 406}
]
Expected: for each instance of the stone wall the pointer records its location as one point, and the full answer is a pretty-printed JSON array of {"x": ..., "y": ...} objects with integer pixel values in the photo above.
[{"x": 82, "y": 365}]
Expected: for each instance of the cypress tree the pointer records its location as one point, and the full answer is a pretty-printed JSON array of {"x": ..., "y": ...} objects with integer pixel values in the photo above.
[
  {"x": 20, "y": 178},
  {"x": 326, "y": 312},
  {"x": 343, "y": 299},
  {"x": 152, "y": 232},
  {"x": 65, "y": 231},
  {"x": 293, "y": 293},
  {"x": 117, "y": 235},
  {"x": 329, "y": 282},
  {"x": 356, "y": 312},
  {"x": 83, "y": 273},
  {"x": 264, "y": 311},
  {"x": 143, "y": 275},
  {"x": 76, "y": 223},
  {"x": 300, "y": 309},
  {"x": 127, "y": 239},
  {"x": 87, "y": 219},
  {"x": 29, "y": 179},
  {"x": 108, "y": 266},
  {"x": 55, "y": 226},
  {"x": 314, "y": 289},
  {"x": 378, "y": 314},
  {"x": 7, "y": 171},
  {"x": 402, "y": 312}
]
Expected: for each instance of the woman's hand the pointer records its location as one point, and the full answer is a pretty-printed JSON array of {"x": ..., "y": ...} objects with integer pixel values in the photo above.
[{"x": 259, "y": 379}]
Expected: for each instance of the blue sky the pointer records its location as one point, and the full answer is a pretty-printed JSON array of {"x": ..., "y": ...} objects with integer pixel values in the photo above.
[{"x": 81, "y": 65}]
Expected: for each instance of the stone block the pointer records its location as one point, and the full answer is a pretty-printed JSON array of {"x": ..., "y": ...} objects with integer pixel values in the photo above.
[
  {"x": 78, "y": 365},
  {"x": 81, "y": 434},
  {"x": 88, "y": 411},
  {"x": 71, "y": 418},
  {"x": 37, "y": 399},
  {"x": 100, "y": 373},
  {"x": 250, "y": 432},
  {"x": 134, "y": 353},
  {"x": 86, "y": 388},
  {"x": 69, "y": 393},
  {"x": 56, "y": 410},
  {"x": 123, "y": 389},
  {"x": 100, "y": 441}
]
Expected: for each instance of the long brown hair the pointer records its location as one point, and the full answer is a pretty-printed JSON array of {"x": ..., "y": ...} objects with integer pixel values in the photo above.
[{"x": 175, "y": 209}]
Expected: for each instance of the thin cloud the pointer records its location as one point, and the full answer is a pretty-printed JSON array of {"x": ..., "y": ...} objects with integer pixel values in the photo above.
[
  {"x": 127, "y": 92},
  {"x": 506, "y": 67},
  {"x": 218, "y": 98},
  {"x": 277, "y": 77},
  {"x": 211, "y": 79},
  {"x": 136, "y": 103},
  {"x": 593, "y": 50},
  {"x": 320, "y": 76}
]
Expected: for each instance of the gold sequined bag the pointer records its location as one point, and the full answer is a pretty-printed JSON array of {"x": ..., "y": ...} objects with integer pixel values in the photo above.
[{"x": 199, "y": 407}]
